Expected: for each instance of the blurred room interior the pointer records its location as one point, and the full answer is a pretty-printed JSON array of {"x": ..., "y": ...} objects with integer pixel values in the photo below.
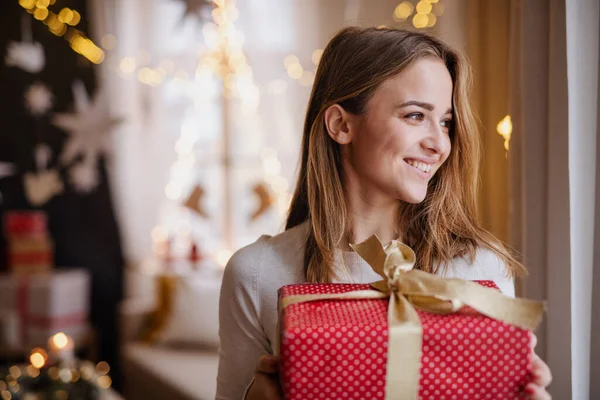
[{"x": 144, "y": 141}]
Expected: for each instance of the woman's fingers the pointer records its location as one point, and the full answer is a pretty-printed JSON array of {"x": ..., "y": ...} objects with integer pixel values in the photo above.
[
  {"x": 536, "y": 392},
  {"x": 542, "y": 375},
  {"x": 268, "y": 364}
]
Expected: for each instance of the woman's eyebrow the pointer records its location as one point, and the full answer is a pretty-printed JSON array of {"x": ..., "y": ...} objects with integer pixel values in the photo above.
[{"x": 427, "y": 106}]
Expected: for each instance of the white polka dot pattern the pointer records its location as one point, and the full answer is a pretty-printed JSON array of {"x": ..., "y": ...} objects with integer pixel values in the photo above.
[{"x": 338, "y": 350}]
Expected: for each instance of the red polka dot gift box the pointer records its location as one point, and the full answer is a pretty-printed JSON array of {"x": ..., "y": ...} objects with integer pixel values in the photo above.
[{"x": 361, "y": 341}]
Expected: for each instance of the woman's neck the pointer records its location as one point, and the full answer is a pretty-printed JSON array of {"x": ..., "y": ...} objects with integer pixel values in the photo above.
[{"x": 366, "y": 220}]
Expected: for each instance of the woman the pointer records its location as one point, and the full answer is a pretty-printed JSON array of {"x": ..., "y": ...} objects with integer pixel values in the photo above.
[{"x": 389, "y": 148}]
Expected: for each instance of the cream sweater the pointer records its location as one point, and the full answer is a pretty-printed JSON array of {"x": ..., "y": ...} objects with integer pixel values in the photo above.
[{"x": 248, "y": 301}]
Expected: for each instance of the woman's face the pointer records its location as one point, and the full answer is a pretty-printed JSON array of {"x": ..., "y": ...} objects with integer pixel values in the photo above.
[{"x": 403, "y": 138}]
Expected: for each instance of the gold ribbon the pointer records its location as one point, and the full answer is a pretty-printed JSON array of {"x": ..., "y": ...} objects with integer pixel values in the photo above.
[{"x": 409, "y": 289}]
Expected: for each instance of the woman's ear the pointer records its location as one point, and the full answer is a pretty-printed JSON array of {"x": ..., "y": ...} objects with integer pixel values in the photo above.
[{"x": 339, "y": 126}]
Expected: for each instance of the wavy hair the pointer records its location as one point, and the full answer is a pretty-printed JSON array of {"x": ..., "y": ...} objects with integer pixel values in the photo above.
[{"x": 354, "y": 64}]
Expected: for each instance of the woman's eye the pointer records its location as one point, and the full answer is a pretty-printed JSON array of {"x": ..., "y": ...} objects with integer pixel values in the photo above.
[
  {"x": 447, "y": 123},
  {"x": 415, "y": 116}
]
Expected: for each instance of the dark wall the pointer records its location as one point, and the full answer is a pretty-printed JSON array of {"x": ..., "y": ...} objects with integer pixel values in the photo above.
[{"x": 83, "y": 226}]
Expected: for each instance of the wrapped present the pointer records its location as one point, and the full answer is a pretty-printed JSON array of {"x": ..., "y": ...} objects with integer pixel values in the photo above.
[
  {"x": 412, "y": 335},
  {"x": 46, "y": 303},
  {"x": 25, "y": 223},
  {"x": 29, "y": 247},
  {"x": 27, "y": 255}
]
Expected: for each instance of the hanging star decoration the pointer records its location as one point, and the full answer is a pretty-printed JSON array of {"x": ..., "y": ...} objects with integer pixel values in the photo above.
[
  {"x": 27, "y": 54},
  {"x": 265, "y": 200},
  {"x": 89, "y": 127},
  {"x": 41, "y": 187},
  {"x": 38, "y": 99},
  {"x": 197, "y": 8},
  {"x": 193, "y": 201}
]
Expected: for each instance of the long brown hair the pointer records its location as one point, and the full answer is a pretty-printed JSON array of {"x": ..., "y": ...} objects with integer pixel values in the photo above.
[{"x": 353, "y": 65}]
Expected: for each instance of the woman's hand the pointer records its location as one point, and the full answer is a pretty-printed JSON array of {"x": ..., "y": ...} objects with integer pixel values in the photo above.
[
  {"x": 266, "y": 380},
  {"x": 541, "y": 377}
]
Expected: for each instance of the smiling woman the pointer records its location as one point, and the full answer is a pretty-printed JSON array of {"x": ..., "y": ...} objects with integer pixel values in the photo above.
[{"x": 389, "y": 148}]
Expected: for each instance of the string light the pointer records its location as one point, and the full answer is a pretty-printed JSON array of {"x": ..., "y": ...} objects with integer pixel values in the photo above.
[
  {"x": 62, "y": 24},
  {"x": 426, "y": 13},
  {"x": 504, "y": 128}
]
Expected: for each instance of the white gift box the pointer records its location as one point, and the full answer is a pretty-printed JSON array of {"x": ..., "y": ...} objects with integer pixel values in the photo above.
[{"x": 43, "y": 304}]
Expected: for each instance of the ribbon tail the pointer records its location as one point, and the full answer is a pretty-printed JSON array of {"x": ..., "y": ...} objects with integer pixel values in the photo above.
[{"x": 404, "y": 350}]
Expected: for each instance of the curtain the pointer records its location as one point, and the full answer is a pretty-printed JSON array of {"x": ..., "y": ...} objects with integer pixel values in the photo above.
[{"x": 554, "y": 75}]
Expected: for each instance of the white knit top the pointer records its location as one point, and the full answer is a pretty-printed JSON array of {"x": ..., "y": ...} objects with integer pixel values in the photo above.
[{"x": 248, "y": 301}]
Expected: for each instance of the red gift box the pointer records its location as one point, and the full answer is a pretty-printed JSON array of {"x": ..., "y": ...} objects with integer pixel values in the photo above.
[
  {"x": 337, "y": 349},
  {"x": 25, "y": 223}
]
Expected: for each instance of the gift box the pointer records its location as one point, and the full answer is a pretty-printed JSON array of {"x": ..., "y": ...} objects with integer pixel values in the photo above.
[
  {"x": 29, "y": 247},
  {"x": 28, "y": 255},
  {"x": 44, "y": 304},
  {"x": 376, "y": 341}
]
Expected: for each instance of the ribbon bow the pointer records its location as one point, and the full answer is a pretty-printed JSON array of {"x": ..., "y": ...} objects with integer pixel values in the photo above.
[{"x": 409, "y": 289}]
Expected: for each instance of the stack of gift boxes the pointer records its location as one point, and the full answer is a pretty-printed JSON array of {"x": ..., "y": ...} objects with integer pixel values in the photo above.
[{"x": 36, "y": 299}]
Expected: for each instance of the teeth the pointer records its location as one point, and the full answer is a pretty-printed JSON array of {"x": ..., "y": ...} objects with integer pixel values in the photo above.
[{"x": 419, "y": 165}]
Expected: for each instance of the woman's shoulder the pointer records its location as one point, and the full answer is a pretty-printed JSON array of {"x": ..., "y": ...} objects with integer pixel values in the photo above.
[
  {"x": 278, "y": 252},
  {"x": 484, "y": 264}
]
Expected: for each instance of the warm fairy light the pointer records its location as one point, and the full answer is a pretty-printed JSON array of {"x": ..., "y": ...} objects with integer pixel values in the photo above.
[
  {"x": 307, "y": 78},
  {"x": 423, "y": 7},
  {"x": 38, "y": 357},
  {"x": 104, "y": 382},
  {"x": 504, "y": 128},
  {"x": 65, "y": 15},
  {"x": 431, "y": 20},
  {"x": 295, "y": 71},
  {"x": 65, "y": 375},
  {"x": 27, "y": 4},
  {"x": 15, "y": 371},
  {"x": 6, "y": 395},
  {"x": 279, "y": 184},
  {"x": 75, "y": 19},
  {"x": 40, "y": 14},
  {"x": 316, "y": 56},
  {"x": 403, "y": 10},
  {"x": 102, "y": 368},
  {"x": 42, "y": 3},
  {"x": 53, "y": 373},
  {"x": 420, "y": 20},
  {"x": 60, "y": 340},
  {"x": 127, "y": 65},
  {"x": 289, "y": 60},
  {"x": 61, "y": 395},
  {"x": 32, "y": 371}
]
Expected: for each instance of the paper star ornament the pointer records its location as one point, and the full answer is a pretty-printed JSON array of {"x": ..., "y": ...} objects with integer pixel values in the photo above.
[
  {"x": 39, "y": 188},
  {"x": 84, "y": 177},
  {"x": 29, "y": 56},
  {"x": 88, "y": 127},
  {"x": 38, "y": 99}
]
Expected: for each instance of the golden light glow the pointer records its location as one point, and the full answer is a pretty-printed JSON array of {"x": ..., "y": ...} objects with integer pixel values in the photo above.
[
  {"x": 307, "y": 78},
  {"x": 431, "y": 20},
  {"x": 2, "y": 385},
  {"x": 279, "y": 184},
  {"x": 104, "y": 382},
  {"x": 127, "y": 65},
  {"x": 289, "y": 60},
  {"x": 403, "y": 11},
  {"x": 504, "y": 128},
  {"x": 65, "y": 15},
  {"x": 60, "y": 340},
  {"x": 40, "y": 14},
  {"x": 15, "y": 371},
  {"x": 75, "y": 19},
  {"x": 65, "y": 375},
  {"x": 38, "y": 358},
  {"x": 103, "y": 368},
  {"x": 28, "y": 4},
  {"x": 423, "y": 7},
  {"x": 32, "y": 371},
  {"x": 316, "y": 56},
  {"x": 53, "y": 373},
  {"x": 295, "y": 71},
  {"x": 42, "y": 3},
  {"x": 420, "y": 20},
  {"x": 6, "y": 395},
  {"x": 61, "y": 395},
  {"x": 108, "y": 42},
  {"x": 76, "y": 375}
]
